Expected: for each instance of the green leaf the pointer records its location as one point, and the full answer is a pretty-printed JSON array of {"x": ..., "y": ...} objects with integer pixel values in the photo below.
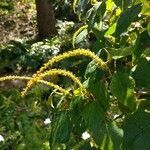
[
  {"x": 86, "y": 146},
  {"x": 142, "y": 42},
  {"x": 137, "y": 132},
  {"x": 122, "y": 87},
  {"x": 126, "y": 18},
  {"x": 91, "y": 17},
  {"x": 91, "y": 70},
  {"x": 112, "y": 136},
  {"x": 95, "y": 14},
  {"x": 142, "y": 74},
  {"x": 106, "y": 135},
  {"x": 116, "y": 135},
  {"x": 123, "y": 4},
  {"x": 148, "y": 28},
  {"x": 81, "y": 6},
  {"x": 60, "y": 129},
  {"x": 95, "y": 86},
  {"x": 93, "y": 116},
  {"x": 111, "y": 29},
  {"x": 120, "y": 52},
  {"x": 100, "y": 93},
  {"x": 97, "y": 46},
  {"x": 81, "y": 36},
  {"x": 118, "y": 3}
]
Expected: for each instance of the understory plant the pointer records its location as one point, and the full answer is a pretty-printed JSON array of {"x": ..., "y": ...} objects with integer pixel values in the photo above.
[{"x": 104, "y": 104}]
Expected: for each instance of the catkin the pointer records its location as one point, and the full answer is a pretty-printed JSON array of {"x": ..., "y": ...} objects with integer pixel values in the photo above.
[
  {"x": 53, "y": 72},
  {"x": 39, "y": 81},
  {"x": 78, "y": 52},
  {"x": 61, "y": 72},
  {"x": 74, "y": 5}
]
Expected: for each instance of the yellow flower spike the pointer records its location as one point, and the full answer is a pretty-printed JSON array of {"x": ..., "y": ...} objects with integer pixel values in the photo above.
[
  {"x": 55, "y": 86},
  {"x": 61, "y": 72},
  {"x": 54, "y": 72},
  {"x": 40, "y": 81},
  {"x": 78, "y": 52},
  {"x": 77, "y": 33},
  {"x": 74, "y": 5},
  {"x": 14, "y": 78}
]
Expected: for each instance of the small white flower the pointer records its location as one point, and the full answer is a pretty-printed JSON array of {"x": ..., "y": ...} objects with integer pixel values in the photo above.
[
  {"x": 1, "y": 138},
  {"x": 47, "y": 121},
  {"x": 85, "y": 135},
  {"x": 116, "y": 116}
]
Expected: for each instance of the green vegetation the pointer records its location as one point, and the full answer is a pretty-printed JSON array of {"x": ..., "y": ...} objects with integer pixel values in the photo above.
[{"x": 85, "y": 88}]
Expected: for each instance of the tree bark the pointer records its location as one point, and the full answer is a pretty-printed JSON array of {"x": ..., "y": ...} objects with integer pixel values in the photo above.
[{"x": 45, "y": 19}]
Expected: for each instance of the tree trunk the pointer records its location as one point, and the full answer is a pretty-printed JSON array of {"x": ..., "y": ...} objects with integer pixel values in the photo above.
[{"x": 45, "y": 19}]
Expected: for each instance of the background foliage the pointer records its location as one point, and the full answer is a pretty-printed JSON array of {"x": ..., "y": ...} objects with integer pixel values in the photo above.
[{"x": 115, "y": 110}]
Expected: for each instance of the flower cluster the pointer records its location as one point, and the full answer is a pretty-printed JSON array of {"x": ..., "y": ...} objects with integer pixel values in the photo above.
[{"x": 78, "y": 52}]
